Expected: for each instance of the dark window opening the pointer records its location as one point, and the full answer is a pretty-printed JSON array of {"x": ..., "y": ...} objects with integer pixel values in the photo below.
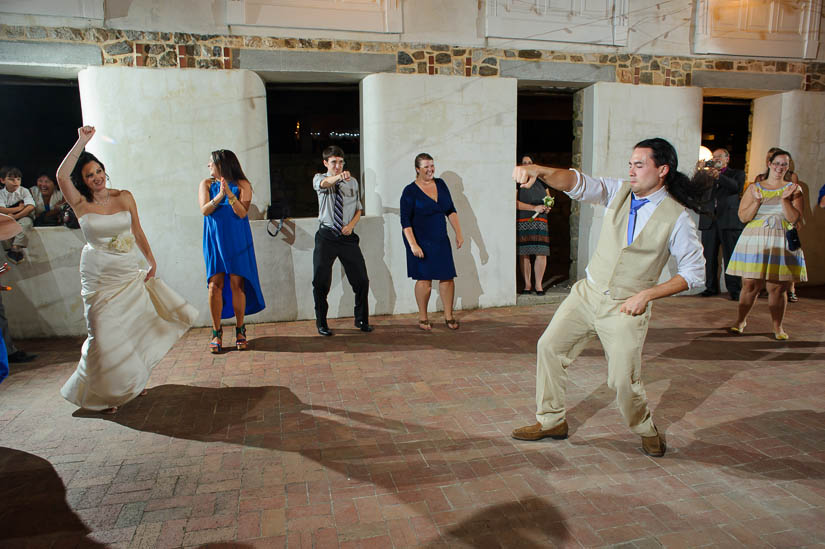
[
  {"x": 40, "y": 121},
  {"x": 304, "y": 119},
  {"x": 725, "y": 125},
  {"x": 545, "y": 132}
]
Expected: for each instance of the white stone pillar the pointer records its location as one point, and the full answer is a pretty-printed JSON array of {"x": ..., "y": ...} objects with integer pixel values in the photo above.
[
  {"x": 468, "y": 125},
  {"x": 155, "y": 131},
  {"x": 615, "y": 118},
  {"x": 795, "y": 121}
]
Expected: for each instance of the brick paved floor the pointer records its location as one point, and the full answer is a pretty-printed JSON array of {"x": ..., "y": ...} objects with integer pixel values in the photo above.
[{"x": 400, "y": 438}]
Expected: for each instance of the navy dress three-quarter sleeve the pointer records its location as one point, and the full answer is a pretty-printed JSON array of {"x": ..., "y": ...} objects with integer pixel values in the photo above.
[{"x": 429, "y": 225}]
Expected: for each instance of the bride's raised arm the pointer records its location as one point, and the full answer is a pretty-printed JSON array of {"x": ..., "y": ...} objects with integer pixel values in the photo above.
[{"x": 64, "y": 172}]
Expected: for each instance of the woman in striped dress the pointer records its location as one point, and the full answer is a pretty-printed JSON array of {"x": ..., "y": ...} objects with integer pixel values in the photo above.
[{"x": 761, "y": 256}]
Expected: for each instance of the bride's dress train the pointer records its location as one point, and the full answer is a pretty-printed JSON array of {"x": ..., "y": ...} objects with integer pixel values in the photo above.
[{"x": 130, "y": 324}]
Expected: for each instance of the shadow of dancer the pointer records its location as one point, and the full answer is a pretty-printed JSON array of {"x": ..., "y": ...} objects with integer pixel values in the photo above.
[
  {"x": 784, "y": 445},
  {"x": 469, "y": 290},
  {"x": 775, "y": 446},
  {"x": 480, "y": 336},
  {"x": 381, "y": 283},
  {"x": 392, "y": 454},
  {"x": 530, "y": 523},
  {"x": 33, "y": 507},
  {"x": 694, "y": 369},
  {"x": 291, "y": 240}
]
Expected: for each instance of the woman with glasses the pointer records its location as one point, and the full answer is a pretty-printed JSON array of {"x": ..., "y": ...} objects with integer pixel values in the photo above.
[
  {"x": 224, "y": 199},
  {"x": 761, "y": 257},
  {"x": 790, "y": 175}
]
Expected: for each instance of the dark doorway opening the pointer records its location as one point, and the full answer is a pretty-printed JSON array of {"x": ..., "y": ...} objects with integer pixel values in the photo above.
[
  {"x": 725, "y": 125},
  {"x": 40, "y": 121},
  {"x": 545, "y": 132},
  {"x": 304, "y": 119}
]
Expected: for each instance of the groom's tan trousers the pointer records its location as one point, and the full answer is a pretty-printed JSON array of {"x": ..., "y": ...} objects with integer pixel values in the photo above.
[{"x": 587, "y": 313}]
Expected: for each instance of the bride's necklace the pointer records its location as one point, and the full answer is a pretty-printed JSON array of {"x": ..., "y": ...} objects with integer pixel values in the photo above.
[{"x": 103, "y": 202}]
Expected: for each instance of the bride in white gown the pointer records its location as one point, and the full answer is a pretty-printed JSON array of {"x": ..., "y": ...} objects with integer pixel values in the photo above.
[{"x": 132, "y": 318}]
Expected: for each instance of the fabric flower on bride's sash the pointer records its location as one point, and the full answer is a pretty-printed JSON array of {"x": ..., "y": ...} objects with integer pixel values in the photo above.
[{"x": 122, "y": 242}]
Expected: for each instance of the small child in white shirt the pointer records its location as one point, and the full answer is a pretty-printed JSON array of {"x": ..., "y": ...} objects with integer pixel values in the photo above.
[{"x": 17, "y": 202}]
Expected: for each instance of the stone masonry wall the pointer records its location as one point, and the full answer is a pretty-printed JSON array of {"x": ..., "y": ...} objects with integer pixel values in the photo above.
[{"x": 185, "y": 50}]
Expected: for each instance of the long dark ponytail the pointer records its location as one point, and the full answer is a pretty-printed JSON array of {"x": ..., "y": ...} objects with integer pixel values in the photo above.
[{"x": 690, "y": 192}]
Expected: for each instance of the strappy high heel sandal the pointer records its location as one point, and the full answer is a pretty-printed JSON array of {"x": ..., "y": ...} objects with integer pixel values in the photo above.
[
  {"x": 215, "y": 346},
  {"x": 240, "y": 338}
]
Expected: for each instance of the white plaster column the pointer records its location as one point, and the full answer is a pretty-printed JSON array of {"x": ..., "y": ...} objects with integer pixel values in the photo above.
[
  {"x": 615, "y": 118},
  {"x": 795, "y": 121},
  {"x": 468, "y": 125},
  {"x": 155, "y": 131}
]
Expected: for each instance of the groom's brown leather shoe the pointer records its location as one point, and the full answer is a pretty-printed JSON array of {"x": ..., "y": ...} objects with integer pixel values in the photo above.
[
  {"x": 654, "y": 446},
  {"x": 535, "y": 432}
]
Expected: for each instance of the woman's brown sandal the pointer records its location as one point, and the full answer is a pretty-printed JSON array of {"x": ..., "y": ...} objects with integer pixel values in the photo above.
[
  {"x": 217, "y": 341},
  {"x": 240, "y": 338},
  {"x": 425, "y": 325},
  {"x": 451, "y": 323}
]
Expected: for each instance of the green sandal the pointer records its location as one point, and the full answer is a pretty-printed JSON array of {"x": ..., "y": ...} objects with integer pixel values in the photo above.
[
  {"x": 215, "y": 346},
  {"x": 240, "y": 338}
]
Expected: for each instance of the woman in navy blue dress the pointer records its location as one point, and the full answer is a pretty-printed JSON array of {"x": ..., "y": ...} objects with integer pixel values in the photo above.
[
  {"x": 424, "y": 204},
  {"x": 227, "y": 247}
]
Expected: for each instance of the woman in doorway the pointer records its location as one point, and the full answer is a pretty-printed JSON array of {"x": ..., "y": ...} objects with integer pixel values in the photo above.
[
  {"x": 224, "y": 199},
  {"x": 424, "y": 204},
  {"x": 132, "y": 318},
  {"x": 761, "y": 256},
  {"x": 532, "y": 231}
]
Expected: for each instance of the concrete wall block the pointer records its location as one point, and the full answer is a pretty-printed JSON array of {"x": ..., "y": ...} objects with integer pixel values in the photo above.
[
  {"x": 559, "y": 72},
  {"x": 616, "y": 117},
  {"x": 747, "y": 80},
  {"x": 468, "y": 126},
  {"x": 49, "y": 54},
  {"x": 316, "y": 61}
]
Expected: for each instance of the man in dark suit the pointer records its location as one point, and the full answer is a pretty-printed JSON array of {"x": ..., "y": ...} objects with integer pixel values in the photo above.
[{"x": 723, "y": 226}]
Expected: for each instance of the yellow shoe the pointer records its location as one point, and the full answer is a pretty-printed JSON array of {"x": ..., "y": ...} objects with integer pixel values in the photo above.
[
  {"x": 780, "y": 336},
  {"x": 737, "y": 330}
]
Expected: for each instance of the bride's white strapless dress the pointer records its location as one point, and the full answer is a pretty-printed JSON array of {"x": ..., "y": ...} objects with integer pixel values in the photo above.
[{"x": 131, "y": 324}]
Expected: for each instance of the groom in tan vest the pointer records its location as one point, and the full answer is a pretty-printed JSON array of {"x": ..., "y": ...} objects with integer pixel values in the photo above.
[{"x": 645, "y": 223}]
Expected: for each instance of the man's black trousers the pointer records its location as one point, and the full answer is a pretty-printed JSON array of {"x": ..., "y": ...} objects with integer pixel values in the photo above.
[
  {"x": 329, "y": 246},
  {"x": 711, "y": 240}
]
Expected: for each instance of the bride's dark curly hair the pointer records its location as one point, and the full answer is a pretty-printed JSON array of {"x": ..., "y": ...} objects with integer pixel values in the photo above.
[
  {"x": 77, "y": 174},
  {"x": 690, "y": 192}
]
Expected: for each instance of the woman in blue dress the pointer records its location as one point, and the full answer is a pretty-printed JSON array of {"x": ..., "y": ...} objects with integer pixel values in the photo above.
[
  {"x": 424, "y": 204},
  {"x": 227, "y": 247}
]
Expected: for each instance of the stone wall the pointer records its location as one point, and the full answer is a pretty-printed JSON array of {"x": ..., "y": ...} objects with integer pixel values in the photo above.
[{"x": 186, "y": 50}]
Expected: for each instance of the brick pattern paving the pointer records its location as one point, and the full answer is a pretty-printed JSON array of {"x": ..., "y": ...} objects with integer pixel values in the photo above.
[{"x": 400, "y": 438}]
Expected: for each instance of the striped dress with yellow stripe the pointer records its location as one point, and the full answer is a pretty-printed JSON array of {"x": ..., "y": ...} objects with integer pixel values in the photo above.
[{"x": 762, "y": 251}]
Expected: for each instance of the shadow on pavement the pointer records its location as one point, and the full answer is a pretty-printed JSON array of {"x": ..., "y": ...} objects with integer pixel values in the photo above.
[
  {"x": 382, "y": 451},
  {"x": 530, "y": 523},
  {"x": 33, "y": 507},
  {"x": 479, "y": 336}
]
